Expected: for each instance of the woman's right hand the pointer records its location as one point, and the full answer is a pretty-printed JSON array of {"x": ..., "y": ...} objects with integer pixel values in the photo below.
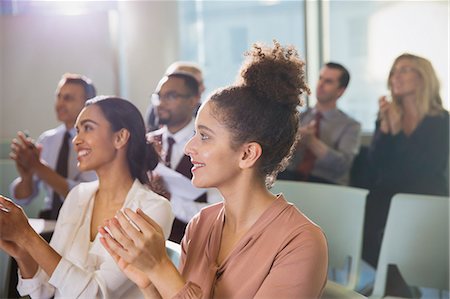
[
  {"x": 140, "y": 244},
  {"x": 390, "y": 117},
  {"x": 133, "y": 273}
]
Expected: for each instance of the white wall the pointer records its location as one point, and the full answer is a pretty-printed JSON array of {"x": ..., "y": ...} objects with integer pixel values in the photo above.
[{"x": 124, "y": 53}]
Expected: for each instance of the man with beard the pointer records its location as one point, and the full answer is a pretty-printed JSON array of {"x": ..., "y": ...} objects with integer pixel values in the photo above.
[
  {"x": 176, "y": 98},
  {"x": 329, "y": 138}
]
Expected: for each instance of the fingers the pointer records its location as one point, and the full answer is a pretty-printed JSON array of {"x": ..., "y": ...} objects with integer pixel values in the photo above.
[
  {"x": 6, "y": 203},
  {"x": 141, "y": 217},
  {"x": 110, "y": 245},
  {"x": 127, "y": 225}
]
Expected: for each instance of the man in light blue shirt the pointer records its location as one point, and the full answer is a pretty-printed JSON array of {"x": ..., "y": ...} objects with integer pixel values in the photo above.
[{"x": 36, "y": 162}]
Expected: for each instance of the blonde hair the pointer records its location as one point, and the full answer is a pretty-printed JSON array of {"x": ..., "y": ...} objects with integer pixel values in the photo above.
[{"x": 428, "y": 99}]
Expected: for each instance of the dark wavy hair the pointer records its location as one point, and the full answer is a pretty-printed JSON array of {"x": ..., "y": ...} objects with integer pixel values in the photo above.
[
  {"x": 122, "y": 114},
  {"x": 263, "y": 105}
]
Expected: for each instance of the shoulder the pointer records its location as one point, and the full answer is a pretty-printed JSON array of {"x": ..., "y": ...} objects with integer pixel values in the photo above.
[
  {"x": 438, "y": 119},
  {"x": 158, "y": 132},
  {"x": 82, "y": 191},
  {"x": 79, "y": 196},
  {"x": 347, "y": 118},
  {"x": 296, "y": 227},
  {"x": 143, "y": 197},
  {"x": 207, "y": 216},
  {"x": 52, "y": 133}
]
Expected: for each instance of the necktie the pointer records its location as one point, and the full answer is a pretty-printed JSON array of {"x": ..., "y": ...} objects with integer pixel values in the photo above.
[
  {"x": 306, "y": 165},
  {"x": 61, "y": 169},
  {"x": 171, "y": 141}
]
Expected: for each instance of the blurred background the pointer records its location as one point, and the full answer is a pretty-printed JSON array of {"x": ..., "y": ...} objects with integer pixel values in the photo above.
[{"x": 125, "y": 46}]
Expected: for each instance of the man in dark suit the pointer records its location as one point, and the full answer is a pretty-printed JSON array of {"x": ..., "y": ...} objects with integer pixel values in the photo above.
[{"x": 176, "y": 98}]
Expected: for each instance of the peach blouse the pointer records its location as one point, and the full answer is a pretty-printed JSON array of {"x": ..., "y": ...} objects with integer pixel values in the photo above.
[{"x": 283, "y": 255}]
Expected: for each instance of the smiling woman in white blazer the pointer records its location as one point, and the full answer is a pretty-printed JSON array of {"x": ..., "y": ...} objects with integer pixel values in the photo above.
[{"x": 110, "y": 140}]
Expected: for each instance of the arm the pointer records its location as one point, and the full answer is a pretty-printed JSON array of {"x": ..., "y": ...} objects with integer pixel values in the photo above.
[
  {"x": 338, "y": 160},
  {"x": 299, "y": 270},
  {"x": 22, "y": 150},
  {"x": 51, "y": 177}
]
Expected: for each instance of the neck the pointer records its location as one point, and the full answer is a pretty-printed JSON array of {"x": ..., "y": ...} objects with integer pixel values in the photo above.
[
  {"x": 69, "y": 126},
  {"x": 115, "y": 179},
  {"x": 327, "y": 106},
  {"x": 244, "y": 203},
  {"x": 174, "y": 128},
  {"x": 409, "y": 106}
]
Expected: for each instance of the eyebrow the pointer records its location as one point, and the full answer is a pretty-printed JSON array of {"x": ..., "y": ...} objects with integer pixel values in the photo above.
[
  {"x": 86, "y": 121},
  {"x": 206, "y": 129}
]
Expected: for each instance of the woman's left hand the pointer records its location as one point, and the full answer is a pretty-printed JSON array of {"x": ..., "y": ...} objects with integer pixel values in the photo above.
[{"x": 13, "y": 222}]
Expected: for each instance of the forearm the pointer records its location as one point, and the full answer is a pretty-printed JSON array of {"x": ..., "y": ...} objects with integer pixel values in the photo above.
[
  {"x": 24, "y": 188},
  {"x": 53, "y": 179},
  {"x": 27, "y": 265},
  {"x": 318, "y": 148},
  {"x": 40, "y": 252},
  {"x": 166, "y": 279}
]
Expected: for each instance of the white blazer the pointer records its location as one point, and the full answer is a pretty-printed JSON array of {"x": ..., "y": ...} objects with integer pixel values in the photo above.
[{"x": 86, "y": 269}]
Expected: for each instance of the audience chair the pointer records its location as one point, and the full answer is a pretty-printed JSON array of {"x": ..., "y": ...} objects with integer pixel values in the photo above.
[
  {"x": 334, "y": 290},
  {"x": 339, "y": 211},
  {"x": 174, "y": 252},
  {"x": 416, "y": 240}
]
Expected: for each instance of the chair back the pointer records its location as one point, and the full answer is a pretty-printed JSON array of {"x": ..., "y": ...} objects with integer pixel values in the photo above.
[
  {"x": 174, "y": 252},
  {"x": 416, "y": 240},
  {"x": 339, "y": 211}
]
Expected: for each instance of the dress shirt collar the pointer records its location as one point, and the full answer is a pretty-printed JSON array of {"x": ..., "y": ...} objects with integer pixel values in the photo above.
[
  {"x": 183, "y": 135},
  {"x": 327, "y": 114}
]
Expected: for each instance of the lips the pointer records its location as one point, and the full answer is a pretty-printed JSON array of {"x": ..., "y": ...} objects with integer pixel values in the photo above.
[
  {"x": 83, "y": 153},
  {"x": 197, "y": 165}
]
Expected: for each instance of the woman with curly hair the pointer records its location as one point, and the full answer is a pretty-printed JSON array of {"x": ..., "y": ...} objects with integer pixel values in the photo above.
[{"x": 254, "y": 243}]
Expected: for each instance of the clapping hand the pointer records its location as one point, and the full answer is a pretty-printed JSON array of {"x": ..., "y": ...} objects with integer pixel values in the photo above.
[
  {"x": 25, "y": 153},
  {"x": 136, "y": 243},
  {"x": 390, "y": 116},
  {"x": 13, "y": 223}
]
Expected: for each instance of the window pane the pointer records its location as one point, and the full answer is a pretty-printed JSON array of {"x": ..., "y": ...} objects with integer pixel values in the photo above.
[
  {"x": 366, "y": 36},
  {"x": 216, "y": 33}
]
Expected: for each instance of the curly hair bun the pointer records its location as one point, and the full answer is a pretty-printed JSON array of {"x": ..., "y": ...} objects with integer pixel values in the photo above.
[{"x": 275, "y": 74}]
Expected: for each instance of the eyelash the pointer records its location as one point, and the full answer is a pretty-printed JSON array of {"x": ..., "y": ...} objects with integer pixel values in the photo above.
[{"x": 202, "y": 136}]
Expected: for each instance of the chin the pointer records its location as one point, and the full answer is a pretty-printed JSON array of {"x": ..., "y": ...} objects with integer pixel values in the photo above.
[{"x": 199, "y": 184}]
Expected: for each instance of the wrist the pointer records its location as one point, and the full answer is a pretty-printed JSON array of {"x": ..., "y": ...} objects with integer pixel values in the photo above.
[{"x": 27, "y": 238}]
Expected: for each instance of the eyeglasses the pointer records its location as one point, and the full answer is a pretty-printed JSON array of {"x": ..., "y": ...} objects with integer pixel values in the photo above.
[
  {"x": 402, "y": 71},
  {"x": 171, "y": 96}
]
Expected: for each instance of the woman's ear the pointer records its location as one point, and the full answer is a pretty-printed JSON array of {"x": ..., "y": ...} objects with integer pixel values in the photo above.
[
  {"x": 250, "y": 154},
  {"x": 121, "y": 138}
]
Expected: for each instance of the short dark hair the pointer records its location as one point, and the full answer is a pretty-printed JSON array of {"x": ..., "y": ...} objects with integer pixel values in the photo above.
[
  {"x": 345, "y": 75},
  {"x": 189, "y": 80},
  {"x": 85, "y": 82},
  {"x": 122, "y": 114}
]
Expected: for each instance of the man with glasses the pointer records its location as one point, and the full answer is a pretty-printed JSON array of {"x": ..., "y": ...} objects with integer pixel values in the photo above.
[
  {"x": 151, "y": 117},
  {"x": 175, "y": 99}
]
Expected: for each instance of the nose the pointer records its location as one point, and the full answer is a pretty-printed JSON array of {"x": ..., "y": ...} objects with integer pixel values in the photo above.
[
  {"x": 189, "y": 147},
  {"x": 76, "y": 140}
]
